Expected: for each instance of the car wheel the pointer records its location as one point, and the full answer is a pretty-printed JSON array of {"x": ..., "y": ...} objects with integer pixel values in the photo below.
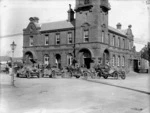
[
  {"x": 105, "y": 76},
  {"x": 53, "y": 73},
  {"x": 17, "y": 75},
  {"x": 28, "y": 75},
  {"x": 123, "y": 75},
  {"x": 115, "y": 75}
]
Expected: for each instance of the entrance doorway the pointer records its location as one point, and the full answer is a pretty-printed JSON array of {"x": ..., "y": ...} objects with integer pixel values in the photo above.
[
  {"x": 58, "y": 60},
  {"x": 28, "y": 58},
  {"x": 85, "y": 58}
]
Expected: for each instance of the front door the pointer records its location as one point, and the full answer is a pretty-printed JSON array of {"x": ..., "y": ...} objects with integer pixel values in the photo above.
[{"x": 87, "y": 62}]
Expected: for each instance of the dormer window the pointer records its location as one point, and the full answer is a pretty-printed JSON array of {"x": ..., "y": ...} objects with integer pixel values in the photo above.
[
  {"x": 86, "y": 35},
  {"x": 46, "y": 39},
  {"x": 31, "y": 41}
]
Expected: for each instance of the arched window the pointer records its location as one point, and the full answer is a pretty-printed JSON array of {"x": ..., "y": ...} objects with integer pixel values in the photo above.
[{"x": 46, "y": 59}]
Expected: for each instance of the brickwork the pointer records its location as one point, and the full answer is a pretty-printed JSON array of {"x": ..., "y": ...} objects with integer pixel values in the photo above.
[{"x": 92, "y": 17}]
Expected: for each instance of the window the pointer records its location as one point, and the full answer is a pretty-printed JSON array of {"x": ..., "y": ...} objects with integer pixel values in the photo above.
[
  {"x": 113, "y": 60},
  {"x": 86, "y": 35},
  {"x": 69, "y": 59},
  {"x": 69, "y": 38},
  {"x": 46, "y": 40},
  {"x": 130, "y": 45},
  {"x": 31, "y": 41},
  {"x": 46, "y": 59},
  {"x": 123, "y": 60},
  {"x": 118, "y": 62},
  {"x": 113, "y": 41},
  {"x": 118, "y": 42},
  {"x": 103, "y": 35},
  {"x": 57, "y": 39},
  {"x": 123, "y": 43},
  {"x": 109, "y": 39}
]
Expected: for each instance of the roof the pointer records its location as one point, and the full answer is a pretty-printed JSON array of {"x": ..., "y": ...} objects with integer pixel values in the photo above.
[
  {"x": 122, "y": 32},
  {"x": 56, "y": 25}
]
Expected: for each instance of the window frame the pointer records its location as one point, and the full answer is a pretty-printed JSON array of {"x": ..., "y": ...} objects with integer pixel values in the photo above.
[
  {"x": 70, "y": 38},
  {"x": 86, "y": 35},
  {"x": 57, "y": 38},
  {"x": 103, "y": 37},
  {"x": 46, "y": 39},
  {"x": 46, "y": 56},
  {"x": 69, "y": 59},
  {"x": 123, "y": 61},
  {"x": 113, "y": 60},
  {"x": 31, "y": 41},
  {"x": 113, "y": 40}
]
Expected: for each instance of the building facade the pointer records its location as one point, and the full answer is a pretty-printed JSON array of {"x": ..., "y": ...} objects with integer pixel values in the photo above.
[{"x": 87, "y": 38}]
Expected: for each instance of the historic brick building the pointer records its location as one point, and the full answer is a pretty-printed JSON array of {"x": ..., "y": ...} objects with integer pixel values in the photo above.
[{"x": 88, "y": 38}]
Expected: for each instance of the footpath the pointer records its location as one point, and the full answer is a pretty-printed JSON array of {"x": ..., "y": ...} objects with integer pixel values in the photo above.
[{"x": 129, "y": 82}]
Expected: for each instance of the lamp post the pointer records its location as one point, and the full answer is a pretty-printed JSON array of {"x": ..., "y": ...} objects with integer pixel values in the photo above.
[{"x": 13, "y": 46}]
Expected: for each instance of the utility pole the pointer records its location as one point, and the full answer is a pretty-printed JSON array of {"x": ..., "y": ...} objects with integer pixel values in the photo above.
[{"x": 13, "y": 46}]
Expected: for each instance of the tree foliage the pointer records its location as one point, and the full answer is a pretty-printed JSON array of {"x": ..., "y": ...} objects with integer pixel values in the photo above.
[{"x": 145, "y": 52}]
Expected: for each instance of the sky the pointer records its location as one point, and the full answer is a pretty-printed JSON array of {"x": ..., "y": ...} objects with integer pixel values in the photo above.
[{"x": 15, "y": 14}]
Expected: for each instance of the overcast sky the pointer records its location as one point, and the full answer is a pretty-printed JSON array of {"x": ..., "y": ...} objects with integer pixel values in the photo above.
[{"x": 14, "y": 16}]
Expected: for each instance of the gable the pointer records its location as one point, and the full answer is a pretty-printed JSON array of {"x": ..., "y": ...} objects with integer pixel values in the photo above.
[{"x": 32, "y": 28}]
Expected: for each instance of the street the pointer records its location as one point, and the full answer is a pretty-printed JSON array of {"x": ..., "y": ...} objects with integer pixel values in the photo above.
[{"x": 71, "y": 95}]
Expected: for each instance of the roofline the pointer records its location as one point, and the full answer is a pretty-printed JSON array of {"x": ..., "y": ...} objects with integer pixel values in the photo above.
[
  {"x": 117, "y": 33},
  {"x": 57, "y": 30}
]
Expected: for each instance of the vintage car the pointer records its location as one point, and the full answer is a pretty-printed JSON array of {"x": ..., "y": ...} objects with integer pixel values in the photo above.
[
  {"x": 22, "y": 72},
  {"x": 47, "y": 72},
  {"x": 33, "y": 71}
]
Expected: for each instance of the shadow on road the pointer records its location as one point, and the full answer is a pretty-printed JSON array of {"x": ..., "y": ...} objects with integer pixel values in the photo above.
[{"x": 145, "y": 92}]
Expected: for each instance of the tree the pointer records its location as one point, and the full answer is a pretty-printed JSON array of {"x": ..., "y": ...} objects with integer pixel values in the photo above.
[{"x": 145, "y": 52}]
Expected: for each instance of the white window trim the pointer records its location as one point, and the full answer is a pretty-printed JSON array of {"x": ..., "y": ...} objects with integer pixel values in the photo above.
[
  {"x": 118, "y": 61},
  {"x": 123, "y": 61},
  {"x": 57, "y": 39},
  {"x": 69, "y": 37},
  {"x": 46, "y": 59},
  {"x": 86, "y": 35},
  {"x": 46, "y": 39},
  {"x": 69, "y": 59},
  {"x": 113, "y": 61},
  {"x": 103, "y": 36},
  {"x": 113, "y": 41},
  {"x": 31, "y": 41}
]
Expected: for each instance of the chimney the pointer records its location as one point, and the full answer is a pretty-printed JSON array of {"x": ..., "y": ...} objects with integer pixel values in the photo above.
[
  {"x": 129, "y": 26},
  {"x": 70, "y": 14},
  {"x": 34, "y": 19},
  {"x": 118, "y": 26}
]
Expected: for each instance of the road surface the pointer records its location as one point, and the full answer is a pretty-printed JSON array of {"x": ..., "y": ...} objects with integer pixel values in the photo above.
[{"x": 64, "y": 95}]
